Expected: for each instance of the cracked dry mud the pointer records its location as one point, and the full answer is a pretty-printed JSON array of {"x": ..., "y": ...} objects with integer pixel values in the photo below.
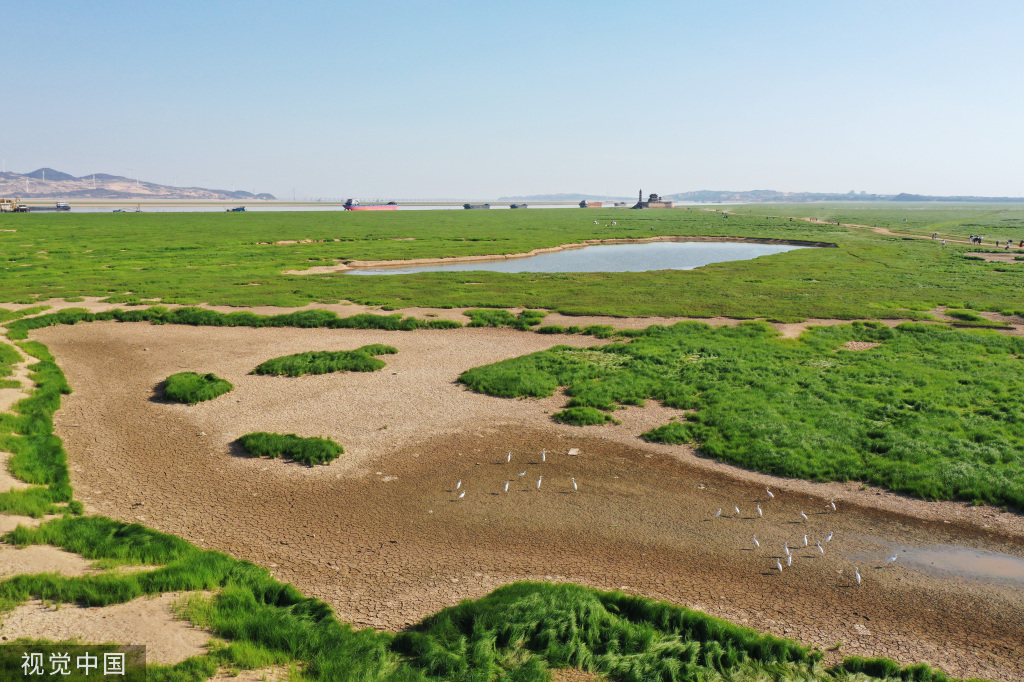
[{"x": 381, "y": 536}]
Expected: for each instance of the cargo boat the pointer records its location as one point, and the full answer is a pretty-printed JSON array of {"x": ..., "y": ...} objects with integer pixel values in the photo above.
[
  {"x": 518, "y": 206},
  {"x": 353, "y": 205},
  {"x": 476, "y": 206}
]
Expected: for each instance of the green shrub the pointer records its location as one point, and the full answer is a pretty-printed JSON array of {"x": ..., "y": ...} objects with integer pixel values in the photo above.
[
  {"x": 192, "y": 388},
  {"x": 581, "y": 416},
  {"x": 306, "y": 450},
  {"x": 324, "y": 362}
]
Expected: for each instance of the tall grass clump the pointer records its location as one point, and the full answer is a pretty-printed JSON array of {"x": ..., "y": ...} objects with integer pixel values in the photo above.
[
  {"x": 581, "y": 416},
  {"x": 930, "y": 412},
  {"x": 192, "y": 388},
  {"x": 325, "y": 362},
  {"x": 306, "y": 450},
  {"x": 496, "y": 317}
]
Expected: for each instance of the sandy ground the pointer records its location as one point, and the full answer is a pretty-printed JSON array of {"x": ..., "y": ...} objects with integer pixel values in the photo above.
[
  {"x": 381, "y": 535},
  {"x": 146, "y": 620}
]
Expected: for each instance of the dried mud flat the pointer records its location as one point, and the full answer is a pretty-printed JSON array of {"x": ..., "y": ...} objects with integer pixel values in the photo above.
[{"x": 381, "y": 535}]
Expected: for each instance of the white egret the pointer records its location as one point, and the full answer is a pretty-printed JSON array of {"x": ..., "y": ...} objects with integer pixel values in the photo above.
[
  {"x": 756, "y": 543},
  {"x": 718, "y": 513},
  {"x": 509, "y": 458},
  {"x": 544, "y": 455},
  {"x": 737, "y": 510},
  {"x": 778, "y": 565},
  {"x": 856, "y": 572},
  {"x": 538, "y": 482},
  {"x": 819, "y": 547},
  {"x": 759, "y": 512},
  {"x": 805, "y": 541},
  {"x": 828, "y": 538},
  {"x": 506, "y": 485},
  {"x": 459, "y": 484},
  {"x": 789, "y": 560},
  {"x": 803, "y": 515},
  {"x": 769, "y": 493},
  {"x": 575, "y": 488},
  {"x": 522, "y": 473},
  {"x": 786, "y": 547},
  {"x": 832, "y": 503},
  {"x": 891, "y": 559},
  {"x": 462, "y": 494}
]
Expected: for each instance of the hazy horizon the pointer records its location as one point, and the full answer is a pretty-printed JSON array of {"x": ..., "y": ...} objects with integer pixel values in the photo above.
[{"x": 459, "y": 100}]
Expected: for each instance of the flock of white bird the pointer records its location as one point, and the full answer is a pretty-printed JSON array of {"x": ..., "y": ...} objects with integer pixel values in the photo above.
[
  {"x": 760, "y": 513},
  {"x": 508, "y": 460},
  {"x": 785, "y": 546}
]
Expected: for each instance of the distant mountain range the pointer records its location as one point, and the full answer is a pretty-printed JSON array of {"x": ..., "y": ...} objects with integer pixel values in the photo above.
[
  {"x": 49, "y": 183},
  {"x": 764, "y": 196}
]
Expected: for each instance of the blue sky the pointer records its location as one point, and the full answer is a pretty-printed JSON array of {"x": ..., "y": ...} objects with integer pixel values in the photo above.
[{"x": 475, "y": 100}]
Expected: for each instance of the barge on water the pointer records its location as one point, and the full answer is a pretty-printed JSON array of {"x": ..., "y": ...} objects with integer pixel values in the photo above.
[
  {"x": 472, "y": 206},
  {"x": 353, "y": 205}
]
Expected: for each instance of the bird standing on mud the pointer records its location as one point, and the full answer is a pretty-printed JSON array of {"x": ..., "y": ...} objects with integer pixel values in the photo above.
[
  {"x": 770, "y": 496},
  {"x": 538, "y": 482},
  {"x": 575, "y": 488},
  {"x": 506, "y": 485}
]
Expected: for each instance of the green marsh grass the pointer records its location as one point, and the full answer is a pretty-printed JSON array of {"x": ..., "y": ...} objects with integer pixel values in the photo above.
[
  {"x": 306, "y": 450},
  {"x": 519, "y": 632},
  {"x": 192, "y": 388},
  {"x": 325, "y": 362},
  {"x": 930, "y": 412},
  {"x": 195, "y": 258}
]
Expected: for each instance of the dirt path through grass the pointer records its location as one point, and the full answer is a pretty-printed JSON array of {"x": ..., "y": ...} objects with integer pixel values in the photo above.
[{"x": 381, "y": 535}]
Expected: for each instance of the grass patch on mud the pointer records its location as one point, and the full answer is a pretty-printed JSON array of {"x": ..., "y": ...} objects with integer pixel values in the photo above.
[
  {"x": 306, "y": 450},
  {"x": 192, "y": 388},
  {"x": 326, "y": 362},
  {"x": 519, "y": 632},
  {"x": 930, "y": 412}
]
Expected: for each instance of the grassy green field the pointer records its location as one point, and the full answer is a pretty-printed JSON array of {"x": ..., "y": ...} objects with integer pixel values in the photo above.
[
  {"x": 219, "y": 258},
  {"x": 898, "y": 414}
]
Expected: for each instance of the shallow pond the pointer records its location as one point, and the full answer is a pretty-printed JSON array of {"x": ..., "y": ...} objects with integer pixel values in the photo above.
[{"x": 606, "y": 258}]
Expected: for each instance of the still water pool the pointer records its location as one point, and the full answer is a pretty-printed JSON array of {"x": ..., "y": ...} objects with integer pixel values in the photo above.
[{"x": 606, "y": 258}]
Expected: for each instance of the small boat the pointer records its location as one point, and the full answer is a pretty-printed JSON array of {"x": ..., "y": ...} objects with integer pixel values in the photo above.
[
  {"x": 517, "y": 206},
  {"x": 63, "y": 206},
  {"x": 353, "y": 205},
  {"x": 476, "y": 206},
  {"x": 236, "y": 209}
]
